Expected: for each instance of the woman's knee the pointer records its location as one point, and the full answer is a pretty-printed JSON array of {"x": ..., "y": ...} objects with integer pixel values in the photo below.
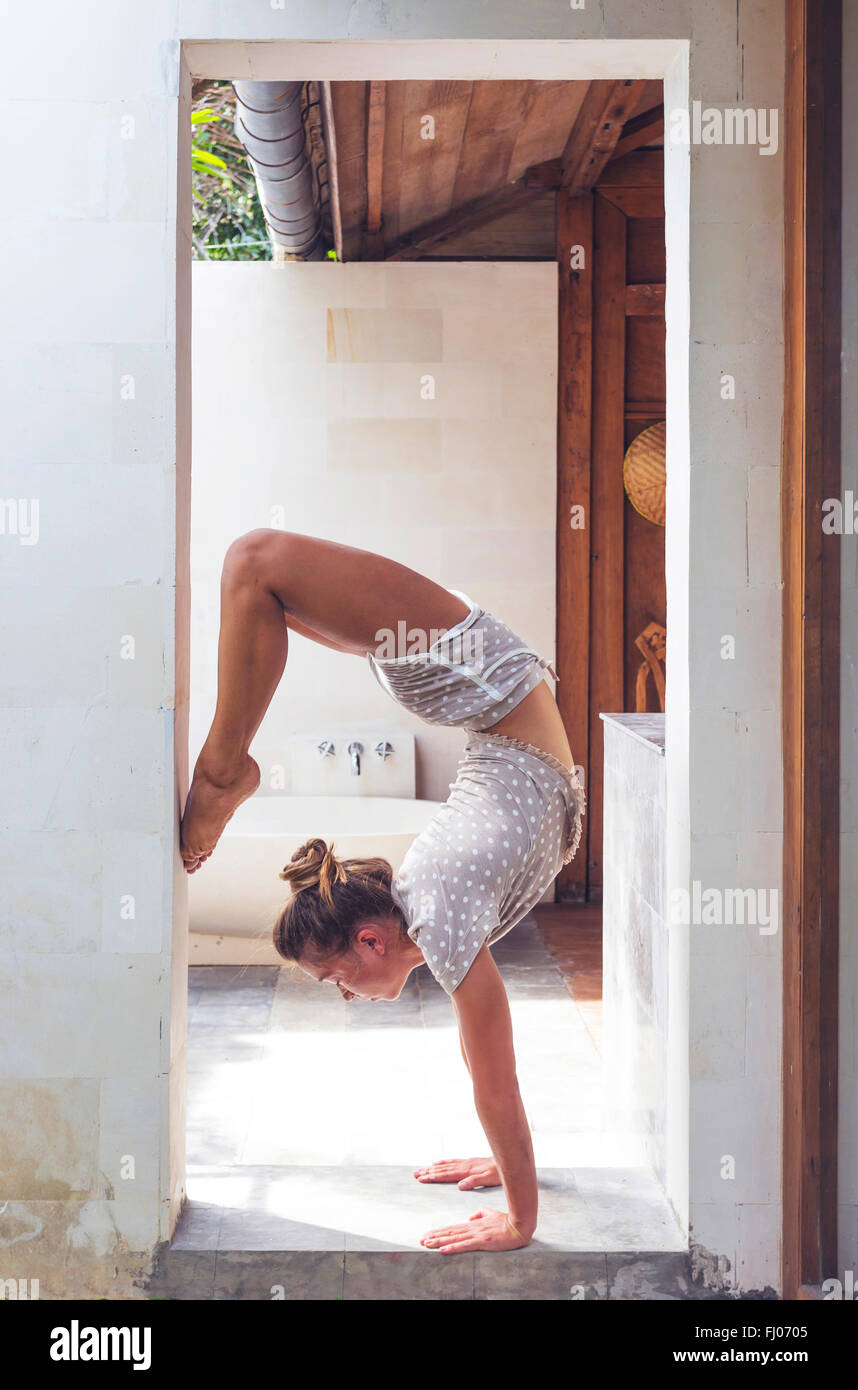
[{"x": 251, "y": 558}]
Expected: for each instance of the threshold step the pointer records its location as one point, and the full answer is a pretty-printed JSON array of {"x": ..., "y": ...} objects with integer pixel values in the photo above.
[
  {"x": 370, "y": 1275},
  {"x": 353, "y": 1232}
]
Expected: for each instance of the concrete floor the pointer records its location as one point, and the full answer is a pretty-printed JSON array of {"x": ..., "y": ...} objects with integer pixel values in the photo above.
[{"x": 307, "y": 1115}]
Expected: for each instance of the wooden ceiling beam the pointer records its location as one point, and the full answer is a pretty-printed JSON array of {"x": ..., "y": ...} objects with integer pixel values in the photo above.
[
  {"x": 635, "y": 202},
  {"x": 545, "y": 175},
  {"x": 643, "y": 169},
  {"x": 645, "y": 129},
  {"x": 419, "y": 241},
  {"x": 373, "y": 242},
  {"x": 349, "y": 105},
  {"x": 330, "y": 130},
  {"x": 597, "y": 130}
]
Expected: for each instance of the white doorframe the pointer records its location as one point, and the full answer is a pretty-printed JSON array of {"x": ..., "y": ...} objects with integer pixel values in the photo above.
[{"x": 464, "y": 60}]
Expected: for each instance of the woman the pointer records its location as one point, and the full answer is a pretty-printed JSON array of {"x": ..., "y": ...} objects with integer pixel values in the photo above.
[{"x": 512, "y": 820}]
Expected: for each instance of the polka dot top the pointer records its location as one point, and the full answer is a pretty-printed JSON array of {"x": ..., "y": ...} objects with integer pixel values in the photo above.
[{"x": 513, "y": 818}]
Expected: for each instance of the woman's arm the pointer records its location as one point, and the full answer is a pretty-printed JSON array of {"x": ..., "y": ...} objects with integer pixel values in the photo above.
[{"x": 485, "y": 1029}]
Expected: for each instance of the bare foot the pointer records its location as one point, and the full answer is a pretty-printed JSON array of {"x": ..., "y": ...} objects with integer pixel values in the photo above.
[
  {"x": 467, "y": 1172},
  {"x": 211, "y": 802}
]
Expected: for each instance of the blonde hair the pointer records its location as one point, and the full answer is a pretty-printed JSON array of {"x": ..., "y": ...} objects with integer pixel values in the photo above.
[
  {"x": 330, "y": 899},
  {"x": 314, "y": 865}
]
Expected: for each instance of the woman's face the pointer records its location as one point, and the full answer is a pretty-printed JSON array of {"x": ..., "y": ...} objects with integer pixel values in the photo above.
[{"x": 372, "y": 970}]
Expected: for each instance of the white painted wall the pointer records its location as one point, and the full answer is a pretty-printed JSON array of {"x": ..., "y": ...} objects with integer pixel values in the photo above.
[
  {"x": 310, "y": 415},
  {"x": 93, "y": 783},
  {"x": 848, "y": 1061}
]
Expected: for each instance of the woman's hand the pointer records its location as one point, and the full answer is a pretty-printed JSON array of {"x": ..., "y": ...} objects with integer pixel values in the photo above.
[
  {"x": 467, "y": 1172},
  {"x": 487, "y": 1229}
]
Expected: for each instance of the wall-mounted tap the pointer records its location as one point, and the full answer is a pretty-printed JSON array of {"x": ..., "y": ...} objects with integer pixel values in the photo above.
[
  {"x": 354, "y": 751},
  {"x": 326, "y": 748},
  {"x": 384, "y": 750}
]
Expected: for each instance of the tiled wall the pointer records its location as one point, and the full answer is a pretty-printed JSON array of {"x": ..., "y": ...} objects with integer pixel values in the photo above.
[{"x": 407, "y": 409}]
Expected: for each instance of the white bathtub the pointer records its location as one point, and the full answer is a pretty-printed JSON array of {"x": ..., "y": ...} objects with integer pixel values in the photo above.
[{"x": 235, "y": 897}]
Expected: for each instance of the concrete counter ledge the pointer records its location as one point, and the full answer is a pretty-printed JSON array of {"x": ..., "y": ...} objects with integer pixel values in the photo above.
[
  {"x": 635, "y": 933},
  {"x": 647, "y": 728}
]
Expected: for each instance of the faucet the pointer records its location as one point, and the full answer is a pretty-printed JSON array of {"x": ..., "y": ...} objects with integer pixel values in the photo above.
[
  {"x": 384, "y": 749},
  {"x": 354, "y": 751},
  {"x": 326, "y": 748}
]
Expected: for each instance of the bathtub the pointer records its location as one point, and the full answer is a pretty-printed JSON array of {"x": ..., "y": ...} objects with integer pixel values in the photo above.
[{"x": 235, "y": 897}]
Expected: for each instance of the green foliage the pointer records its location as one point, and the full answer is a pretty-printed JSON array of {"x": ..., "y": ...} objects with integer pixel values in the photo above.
[{"x": 228, "y": 222}]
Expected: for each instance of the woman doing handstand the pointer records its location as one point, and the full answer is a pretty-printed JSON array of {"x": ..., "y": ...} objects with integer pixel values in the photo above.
[{"x": 512, "y": 819}]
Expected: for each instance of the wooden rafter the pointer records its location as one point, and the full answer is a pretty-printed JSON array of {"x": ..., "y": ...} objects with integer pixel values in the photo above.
[
  {"x": 635, "y": 202},
  {"x": 546, "y": 175},
  {"x": 599, "y": 125},
  {"x": 374, "y": 238},
  {"x": 329, "y": 126},
  {"x": 635, "y": 183},
  {"x": 643, "y": 169},
  {"x": 462, "y": 219},
  {"x": 645, "y": 129}
]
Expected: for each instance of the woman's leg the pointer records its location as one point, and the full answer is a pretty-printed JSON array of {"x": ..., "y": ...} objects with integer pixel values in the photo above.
[{"x": 271, "y": 580}]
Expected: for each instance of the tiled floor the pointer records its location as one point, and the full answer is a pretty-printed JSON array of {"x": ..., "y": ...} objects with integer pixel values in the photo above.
[
  {"x": 573, "y": 938},
  {"x": 307, "y": 1114}
]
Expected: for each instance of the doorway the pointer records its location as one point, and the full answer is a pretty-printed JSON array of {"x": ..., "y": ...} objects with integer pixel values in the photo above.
[{"x": 581, "y": 1244}]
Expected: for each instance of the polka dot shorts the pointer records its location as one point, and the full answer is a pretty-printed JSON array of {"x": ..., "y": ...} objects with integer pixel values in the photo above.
[
  {"x": 472, "y": 676},
  {"x": 513, "y": 818}
]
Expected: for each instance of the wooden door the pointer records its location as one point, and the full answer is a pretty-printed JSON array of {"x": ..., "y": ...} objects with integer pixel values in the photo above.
[{"x": 612, "y": 386}]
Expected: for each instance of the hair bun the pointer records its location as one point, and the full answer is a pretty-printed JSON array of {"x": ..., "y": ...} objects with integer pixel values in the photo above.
[{"x": 314, "y": 865}]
